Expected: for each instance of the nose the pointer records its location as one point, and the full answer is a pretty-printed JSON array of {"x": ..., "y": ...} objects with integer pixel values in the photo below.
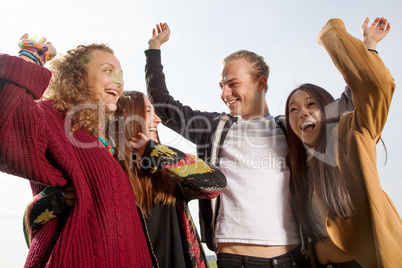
[
  {"x": 304, "y": 113},
  {"x": 226, "y": 92},
  {"x": 157, "y": 119},
  {"x": 118, "y": 80}
]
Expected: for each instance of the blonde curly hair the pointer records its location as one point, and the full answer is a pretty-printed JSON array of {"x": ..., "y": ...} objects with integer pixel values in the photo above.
[{"x": 69, "y": 86}]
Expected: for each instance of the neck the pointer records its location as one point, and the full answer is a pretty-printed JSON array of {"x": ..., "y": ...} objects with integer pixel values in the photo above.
[{"x": 263, "y": 112}]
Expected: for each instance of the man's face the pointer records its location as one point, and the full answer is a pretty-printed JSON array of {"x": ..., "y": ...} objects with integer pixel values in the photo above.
[{"x": 241, "y": 93}]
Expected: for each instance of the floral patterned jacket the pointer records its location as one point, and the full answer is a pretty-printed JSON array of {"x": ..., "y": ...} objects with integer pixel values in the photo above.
[{"x": 193, "y": 178}]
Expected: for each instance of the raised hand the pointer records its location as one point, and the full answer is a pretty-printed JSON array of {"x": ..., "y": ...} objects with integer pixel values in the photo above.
[
  {"x": 41, "y": 43},
  {"x": 375, "y": 32},
  {"x": 160, "y": 35}
]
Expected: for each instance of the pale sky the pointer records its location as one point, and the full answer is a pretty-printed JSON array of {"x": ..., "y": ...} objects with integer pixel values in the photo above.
[{"x": 203, "y": 33}]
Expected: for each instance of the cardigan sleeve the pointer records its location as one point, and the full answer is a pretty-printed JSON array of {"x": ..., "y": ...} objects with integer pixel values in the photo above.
[
  {"x": 193, "y": 125},
  {"x": 23, "y": 136},
  {"x": 370, "y": 81},
  {"x": 196, "y": 178}
]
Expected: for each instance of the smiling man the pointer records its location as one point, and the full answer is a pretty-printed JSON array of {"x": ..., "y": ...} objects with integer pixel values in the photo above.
[{"x": 252, "y": 221}]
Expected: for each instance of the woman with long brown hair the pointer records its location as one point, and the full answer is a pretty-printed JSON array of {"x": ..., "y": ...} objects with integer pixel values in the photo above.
[
  {"x": 164, "y": 181},
  {"x": 337, "y": 196}
]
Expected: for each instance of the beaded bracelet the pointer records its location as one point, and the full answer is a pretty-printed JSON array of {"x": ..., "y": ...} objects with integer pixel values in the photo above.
[
  {"x": 30, "y": 55},
  {"x": 40, "y": 52}
]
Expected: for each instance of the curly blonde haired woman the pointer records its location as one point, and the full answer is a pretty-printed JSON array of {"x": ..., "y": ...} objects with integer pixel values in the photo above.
[{"x": 59, "y": 141}]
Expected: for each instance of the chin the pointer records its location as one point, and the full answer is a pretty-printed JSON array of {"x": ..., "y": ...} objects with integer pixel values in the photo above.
[
  {"x": 234, "y": 113},
  {"x": 112, "y": 107},
  {"x": 309, "y": 143}
]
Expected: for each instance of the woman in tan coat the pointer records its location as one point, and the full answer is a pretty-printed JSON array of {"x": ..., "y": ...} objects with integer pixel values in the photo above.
[{"x": 337, "y": 196}]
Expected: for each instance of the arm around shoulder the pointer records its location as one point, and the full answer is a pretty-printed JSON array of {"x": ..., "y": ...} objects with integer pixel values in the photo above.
[{"x": 195, "y": 177}]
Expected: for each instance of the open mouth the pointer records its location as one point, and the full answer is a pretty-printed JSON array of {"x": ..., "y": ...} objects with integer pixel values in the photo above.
[
  {"x": 112, "y": 92},
  {"x": 307, "y": 126}
]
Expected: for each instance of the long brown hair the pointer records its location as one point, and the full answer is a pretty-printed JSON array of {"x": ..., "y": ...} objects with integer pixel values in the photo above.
[
  {"x": 149, "y": 187},
  {"x": 323, "y": 176},
  {"x": 69, "y": 85}
]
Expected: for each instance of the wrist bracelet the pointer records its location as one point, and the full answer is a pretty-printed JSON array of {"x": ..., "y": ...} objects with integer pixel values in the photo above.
[
  {"x": 30, "y": 55},
  {"x": 373, "y": 50},
  {"x": 40, "y": 52}
]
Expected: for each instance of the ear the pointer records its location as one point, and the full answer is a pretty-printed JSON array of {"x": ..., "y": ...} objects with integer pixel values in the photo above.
[{"x": 262, "y": 82}]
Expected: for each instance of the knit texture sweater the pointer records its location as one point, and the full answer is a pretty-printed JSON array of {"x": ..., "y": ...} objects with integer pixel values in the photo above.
[{"x": 104, "y": 228}]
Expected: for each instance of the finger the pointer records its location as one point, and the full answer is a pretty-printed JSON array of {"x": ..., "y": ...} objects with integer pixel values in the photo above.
[
  {"x": 69, "y": 188},
  {"x": 70, "y": 203},
  {"x": 388, "y": 27},
  {"x": 375, "y": 22},
  {"x": 158, "y": 28},
  {"x": 153, "y": 33},
  {"x": 69, "y": 195},
  {"x": 166, "y": 27},
  {"x": 134, "y": 139},
  {"x": 135, "y": 145},
  {"x": 42, "y": 40},
  {"x": 25, "y": 36},
  {"x": 384, "y": 24},
  {"x": 34, "y": 38},
  {"x": 381, "y": 23},
  {"x": 365, "y": 23}
]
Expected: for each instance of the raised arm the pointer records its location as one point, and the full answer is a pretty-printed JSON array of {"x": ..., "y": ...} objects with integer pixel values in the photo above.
[
  {"x": 23, "y": 136},
  {"x": 369, "y": 79},
  {"x": 193, "y": 125},
  {"x": 196, "y": 178},
  {"x": 371, "y": 36}
]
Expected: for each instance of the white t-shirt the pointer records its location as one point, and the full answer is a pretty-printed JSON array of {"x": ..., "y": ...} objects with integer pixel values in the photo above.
[{"x": 255, "y": 206}]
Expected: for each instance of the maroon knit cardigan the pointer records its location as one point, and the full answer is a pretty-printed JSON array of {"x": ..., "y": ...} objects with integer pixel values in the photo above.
[{"x": 104, "y": 229}]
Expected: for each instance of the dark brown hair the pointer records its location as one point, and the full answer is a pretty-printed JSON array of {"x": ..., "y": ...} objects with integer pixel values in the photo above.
[
  {"x": 149, "y": 187},
  {"x": 323, "y": 175}
]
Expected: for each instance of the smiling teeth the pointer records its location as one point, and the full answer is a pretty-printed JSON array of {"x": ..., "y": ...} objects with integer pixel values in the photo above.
[
  {"x": 306, "y": 124},
  {"x": 112, "y": 92},
  {"x": 230, "y": 102},
  {"x": 152, "y": 129}
]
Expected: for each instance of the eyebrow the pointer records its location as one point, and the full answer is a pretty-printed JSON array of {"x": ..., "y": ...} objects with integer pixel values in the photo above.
[
  {"x": 228, "y": 81},
  {"x": 290, "y": 103},
  {"x": 106, "y": 63}
]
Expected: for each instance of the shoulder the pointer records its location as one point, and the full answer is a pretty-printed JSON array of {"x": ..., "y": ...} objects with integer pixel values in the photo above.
[{"x": 280, "y": 120}]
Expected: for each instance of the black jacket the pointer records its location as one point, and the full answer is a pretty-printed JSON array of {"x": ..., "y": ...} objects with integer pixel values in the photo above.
[{"x": 201, "y": 128}]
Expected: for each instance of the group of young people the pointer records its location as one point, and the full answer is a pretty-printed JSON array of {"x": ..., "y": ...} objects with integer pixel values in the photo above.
[{"x": 320, "y": 204}]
